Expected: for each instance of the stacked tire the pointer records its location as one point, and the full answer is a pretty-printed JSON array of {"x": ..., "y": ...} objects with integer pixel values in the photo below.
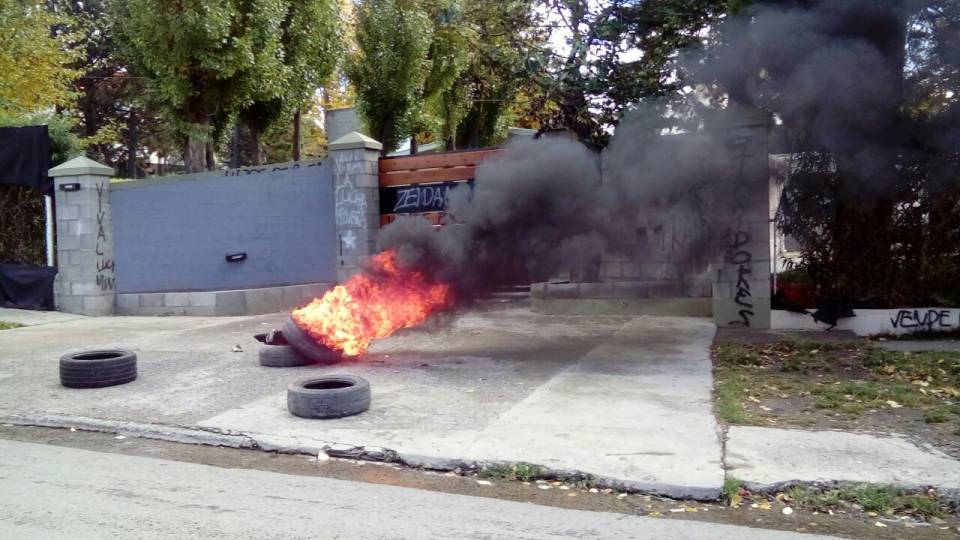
[
  {"x": 98, "y": 369},
  {"x": 281, "y": 356}
]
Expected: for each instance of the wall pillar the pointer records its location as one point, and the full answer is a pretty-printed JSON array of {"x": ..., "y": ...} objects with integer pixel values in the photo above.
[
  {"x": 85, "y": 279},
  {"x": 356, "y": 181},
  {"x": 741, "y": 292}
]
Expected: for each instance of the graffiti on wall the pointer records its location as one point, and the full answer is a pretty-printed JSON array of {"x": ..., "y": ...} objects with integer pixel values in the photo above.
[
  {"x": 737, "y": 253},
  {"x": 929, "y": 319},
  {"x": 417, "y": 198},
  {"x": 105, "y": 265},
  {"x": 350, "y": 204}
]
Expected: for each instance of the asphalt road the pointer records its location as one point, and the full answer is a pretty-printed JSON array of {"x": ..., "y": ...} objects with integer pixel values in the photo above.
[{"x": 55, "y": 492}]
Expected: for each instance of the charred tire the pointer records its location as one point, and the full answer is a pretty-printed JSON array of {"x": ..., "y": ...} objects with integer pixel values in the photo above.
[
  {"x": 306, "y": 346},
  {"x": 98, "y": 369},
  {"x": 281, "y": 356},
  {"x": 332, "y": 396}
]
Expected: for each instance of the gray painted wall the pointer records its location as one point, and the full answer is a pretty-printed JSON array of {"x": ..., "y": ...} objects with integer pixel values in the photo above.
[{"x": 172, "y": 234}]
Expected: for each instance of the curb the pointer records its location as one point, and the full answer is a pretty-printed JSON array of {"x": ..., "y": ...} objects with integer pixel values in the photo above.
[{"x": 289, "y": 445}]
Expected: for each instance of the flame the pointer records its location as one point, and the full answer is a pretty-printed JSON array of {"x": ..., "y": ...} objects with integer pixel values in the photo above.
[{"x": 371, "y": 305}]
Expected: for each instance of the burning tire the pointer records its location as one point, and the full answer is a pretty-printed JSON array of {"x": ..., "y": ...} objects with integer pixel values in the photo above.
[
  {"x": 332, "y": 396},
  {"x": 305, "y": 345},
  {"x": 98, "y": 369},
  {"x": 281, "y": 356}
]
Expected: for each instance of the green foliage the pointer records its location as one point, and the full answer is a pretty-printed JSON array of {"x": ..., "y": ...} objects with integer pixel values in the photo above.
[
  {"x": 889, "y": 231},
  {"x": 277, "y": 140},
  {"x": 5, "y": 325},
  {"x": 498, "y": 78},
  {"x": 389, "y": 66},
  {"x": 312, "y": 47},
  {"x": 64, "y": 143},
  {"x": 882, "y": 499},
  {"x": 731, "y": 489},
  {"x": 594, "y": 83},
  {"x": 794, "y": 275},
  {"x": 35, "y": 71},
  {"x": 525, "y": 472},
  {"x": 204, "y": 59},
  {"x": 22, "y": 231}
]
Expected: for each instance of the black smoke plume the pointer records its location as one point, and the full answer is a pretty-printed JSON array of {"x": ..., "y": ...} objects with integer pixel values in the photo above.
[{"x": 852, "y": 82}]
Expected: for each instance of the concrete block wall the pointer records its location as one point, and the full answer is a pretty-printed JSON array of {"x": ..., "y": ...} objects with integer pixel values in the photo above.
[
  {"x": 86, "y": 278},
  {"x": 340, "y": 122},
  {"x": 718, "y": 233},
  {"x": 356, "y": 181},
  {"x": 220, "y": 303},
  {"x": 173, "y": 233},
  {"x": 171, "y": 236}
]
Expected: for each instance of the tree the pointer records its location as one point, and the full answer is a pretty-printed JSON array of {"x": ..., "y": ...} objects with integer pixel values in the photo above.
[
  {"x": 618, "y": 52},
  {"x": 389, "y": 66},
  {"x": 204, "y": 59},
  {"x": 867, "y": 96},
  {"x": 312, "y": 45},
  {"x": 507, "y": 34},
  {"x": 35, "y": 62}
]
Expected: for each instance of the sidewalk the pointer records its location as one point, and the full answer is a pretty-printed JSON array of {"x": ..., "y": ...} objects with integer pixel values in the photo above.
[
  {"x": 624, "y": 399},
  {"x": 627, "y": 400}
]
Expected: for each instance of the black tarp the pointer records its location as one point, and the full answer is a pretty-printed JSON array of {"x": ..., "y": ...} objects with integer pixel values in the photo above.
[
  {"x": 26, "y": 287},
  {"x": 25, "y": 161},
  {"x": 25, "y": 157}
]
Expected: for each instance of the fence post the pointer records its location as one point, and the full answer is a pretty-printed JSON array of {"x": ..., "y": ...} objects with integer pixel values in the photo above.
[
  {"x": 741, "y": 293},
  {"x": 356, "y": 181},
  {"x": 85, "y": 280}
]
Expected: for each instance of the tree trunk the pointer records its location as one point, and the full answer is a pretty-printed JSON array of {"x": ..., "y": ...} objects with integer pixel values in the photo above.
[
  {"x": 236, "y": 146},
  {"x": 413, "y": 144},
  {"x": 194, "y": 153},
  {"x": 133, "y": 143},
  {"x": 211, "y": 155},
  {"x": 256, "y": 156},
  {"x": 296, "y": 135}
]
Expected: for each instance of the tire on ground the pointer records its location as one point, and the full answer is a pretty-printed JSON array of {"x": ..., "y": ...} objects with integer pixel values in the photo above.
[
  {"x": 331, "y": 396},
  {"x": 281, "y": 356},
  {"x": 98, "y": 369},
  {"x": 306, "y": 345}
]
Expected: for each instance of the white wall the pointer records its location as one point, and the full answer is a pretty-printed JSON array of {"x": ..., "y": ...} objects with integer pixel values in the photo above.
[{"x": 870, "y": 322}]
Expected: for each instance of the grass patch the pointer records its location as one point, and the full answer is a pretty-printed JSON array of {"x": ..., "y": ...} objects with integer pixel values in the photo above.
[
  {"x": 730, "y": 390},
  {"x": 5, "y": 325},
  {"x": 881, "y": 499},
  {"x": 731, "y": 490},
  {"x": 843, "y": 380},
  {"x": 938, "y": 416},
  {"x": 524, "y": 472}
]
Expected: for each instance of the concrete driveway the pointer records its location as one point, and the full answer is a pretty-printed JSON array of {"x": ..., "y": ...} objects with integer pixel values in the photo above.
[{"x": 624, "y": 399}]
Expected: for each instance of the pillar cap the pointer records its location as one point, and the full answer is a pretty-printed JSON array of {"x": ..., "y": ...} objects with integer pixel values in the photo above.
[
  {"x": 79, "y": 166},
  {"x": 354, "y": 140}
]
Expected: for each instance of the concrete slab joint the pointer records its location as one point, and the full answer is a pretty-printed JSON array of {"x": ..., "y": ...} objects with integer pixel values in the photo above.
[{"x": 86, "y": 280}]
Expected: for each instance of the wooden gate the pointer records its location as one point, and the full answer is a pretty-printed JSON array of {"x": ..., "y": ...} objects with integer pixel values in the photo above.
[{"x": 419, "y": 185}]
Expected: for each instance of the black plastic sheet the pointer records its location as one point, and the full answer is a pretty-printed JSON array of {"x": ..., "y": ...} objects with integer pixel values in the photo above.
[
  {"x": 25, "y": 157},
  {"x": 26, "y": 287}
]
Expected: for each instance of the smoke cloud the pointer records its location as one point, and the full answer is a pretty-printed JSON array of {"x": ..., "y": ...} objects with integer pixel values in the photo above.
[{"x": 832, "y": 71}]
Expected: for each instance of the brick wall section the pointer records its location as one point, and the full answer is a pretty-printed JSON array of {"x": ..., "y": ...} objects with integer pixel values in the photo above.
[
  {"x": 356, "y": 200},
  {"x": 722, "y": 253},
  {"x": 173, "y": 233},
  {"x": 86, "y": 271},
  {"x": 340, "y": 122}
]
